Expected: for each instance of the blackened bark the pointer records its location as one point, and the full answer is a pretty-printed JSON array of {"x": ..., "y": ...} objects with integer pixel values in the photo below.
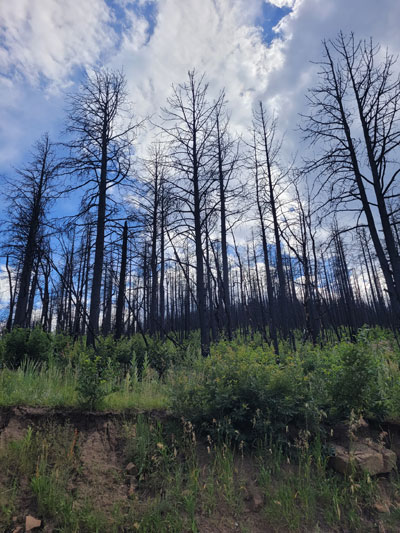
[{"x": 119, "y": 314}]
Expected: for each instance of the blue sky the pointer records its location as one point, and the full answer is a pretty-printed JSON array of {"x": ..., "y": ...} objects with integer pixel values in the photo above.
[
  {"x": 257, "y": 49},
  {"x": 46, "y": 45},
  {"x": 33, "y": 80}
]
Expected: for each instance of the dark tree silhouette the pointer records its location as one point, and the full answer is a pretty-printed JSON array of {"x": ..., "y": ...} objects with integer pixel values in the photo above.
[
  {"x": 103, "y": 131},
  {"x": 189, "y": 121},
  {"x": 30, "y": 195},
  {"x": 359, "y": 166}
]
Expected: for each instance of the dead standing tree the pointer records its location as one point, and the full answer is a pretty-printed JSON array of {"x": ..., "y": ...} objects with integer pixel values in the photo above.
[
  {"x": 189, "y": 122},
  {"x": 272, "y": 186},
  {"x": 354, "y": 120},
  {"x": 227, "y": 157},
  {"x": 103, "y": 131},
  {"x": 30, "y": 195}
]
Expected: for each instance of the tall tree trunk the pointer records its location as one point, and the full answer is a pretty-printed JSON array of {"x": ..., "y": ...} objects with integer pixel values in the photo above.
[
  {"x": 224, "y": 247},
  {"x": 94, "y": 312},
  {"x": 119, "y": 314},
  {"x": 20, "y": 318}
]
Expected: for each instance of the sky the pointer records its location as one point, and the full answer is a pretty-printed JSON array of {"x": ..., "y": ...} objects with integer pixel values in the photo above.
[{"x": 256, "y": 49}]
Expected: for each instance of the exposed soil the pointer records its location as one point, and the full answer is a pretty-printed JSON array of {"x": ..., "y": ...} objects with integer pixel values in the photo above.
[{"x": 103, "y": 479}]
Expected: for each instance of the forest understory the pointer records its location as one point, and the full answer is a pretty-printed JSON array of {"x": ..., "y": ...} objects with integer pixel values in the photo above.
[
  {"x": 207, "y": 338},
  {"x": 237, "y": 441}
]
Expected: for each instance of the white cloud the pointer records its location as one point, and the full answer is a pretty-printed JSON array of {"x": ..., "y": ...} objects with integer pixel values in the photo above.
[
  {"x": 218, "y": 37},
  {"x": 302, "y": 31},
  {"x": 4, "y": 288},
  {"x": 282, "y": 3},
  {"x": 48, "y": 38}
]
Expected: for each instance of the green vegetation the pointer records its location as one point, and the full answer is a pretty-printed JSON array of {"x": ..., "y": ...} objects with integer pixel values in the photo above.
[
  {"x": 41, "y": 385},
  {"x": 238, "y": 427},
  {"x": 309, "y": 493},
  {"x": 163, "y": 481},
  {"x": 241, "y": 385},
  {"x": 119, "y": 376},
  {"x": 45, "y": 460},
  {"x": 242, "y": 392}
]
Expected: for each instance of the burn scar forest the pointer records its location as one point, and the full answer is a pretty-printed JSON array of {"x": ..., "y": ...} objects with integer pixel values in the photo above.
[{"x": 180, "y": 225}]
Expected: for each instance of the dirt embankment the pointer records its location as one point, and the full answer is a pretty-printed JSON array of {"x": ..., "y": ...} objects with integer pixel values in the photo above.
[
  {"x": 101, "y": 474},
  {"x": 99, "y": 437}
]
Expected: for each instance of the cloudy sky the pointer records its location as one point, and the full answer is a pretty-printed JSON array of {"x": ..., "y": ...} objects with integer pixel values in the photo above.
[{"x": 256, "y": 49}]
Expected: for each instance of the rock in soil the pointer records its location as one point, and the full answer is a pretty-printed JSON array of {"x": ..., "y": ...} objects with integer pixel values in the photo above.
[
  {"x": 368, "y": 457},
  {"x": 131, "y": 469},
  {"x": 32, "y": 523}
]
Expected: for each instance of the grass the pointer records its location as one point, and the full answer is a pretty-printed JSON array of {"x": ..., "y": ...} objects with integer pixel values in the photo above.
[
  {"x": 179, "y": 485},
  {"x": 306, "y": 494},
  {"x": 41, "y": 465},
  {"x": 35, "y": 384},
  {"x": 238, "y": 397},
  {"x": 336, "y": 379}
]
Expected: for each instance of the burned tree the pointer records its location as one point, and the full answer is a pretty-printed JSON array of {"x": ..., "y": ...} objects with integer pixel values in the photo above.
[
  {"x": 30, "y": 194},
  {"x": 354, "y": 120},
  {"x": 102, "y": 133},
  {"x": 189, "y": 122}
]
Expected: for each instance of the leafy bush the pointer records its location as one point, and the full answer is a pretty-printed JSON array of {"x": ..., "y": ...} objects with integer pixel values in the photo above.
[
  {"x": 162, "y": 355},
  {"x": 63, "y": 348},
  {"x": 118, "y": 351},
  {"x": 15, "y": 346},
  {"x": 22, "y": 344},
  {"x": 241, "y": 393},
  {"x": 39, "y": 345},
  {"x": 95, "y": 379},
  {"x": 353, "y": 381}
]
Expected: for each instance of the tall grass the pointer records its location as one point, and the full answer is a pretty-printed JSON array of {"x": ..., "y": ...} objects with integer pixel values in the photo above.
[
  {"x": 176, "y": 485},
  {"x": 39, "y": 384}
]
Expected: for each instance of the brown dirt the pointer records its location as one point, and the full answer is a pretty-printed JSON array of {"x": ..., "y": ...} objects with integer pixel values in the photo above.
[
  {"x": 103, "y": 479},
  {"x": 100, "y": 454}
]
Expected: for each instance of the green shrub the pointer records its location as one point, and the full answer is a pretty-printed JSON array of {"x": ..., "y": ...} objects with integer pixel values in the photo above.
[
  {"x": 162, "y": 355},
  {"x": 15, "y": 346},
  {"x": 15, "y": 350},
  {"x": 39, "y": 345},
  {"x": 353, "y": 381},
  {"x": 63, "y": 348},
  {"x": 392, "y": 383},
  {"x": 95, "y": 379},
  {"x": 123, "y": 351},
  {"x": 20, "y": 344},
  {"x": 242, "y": 393}
]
